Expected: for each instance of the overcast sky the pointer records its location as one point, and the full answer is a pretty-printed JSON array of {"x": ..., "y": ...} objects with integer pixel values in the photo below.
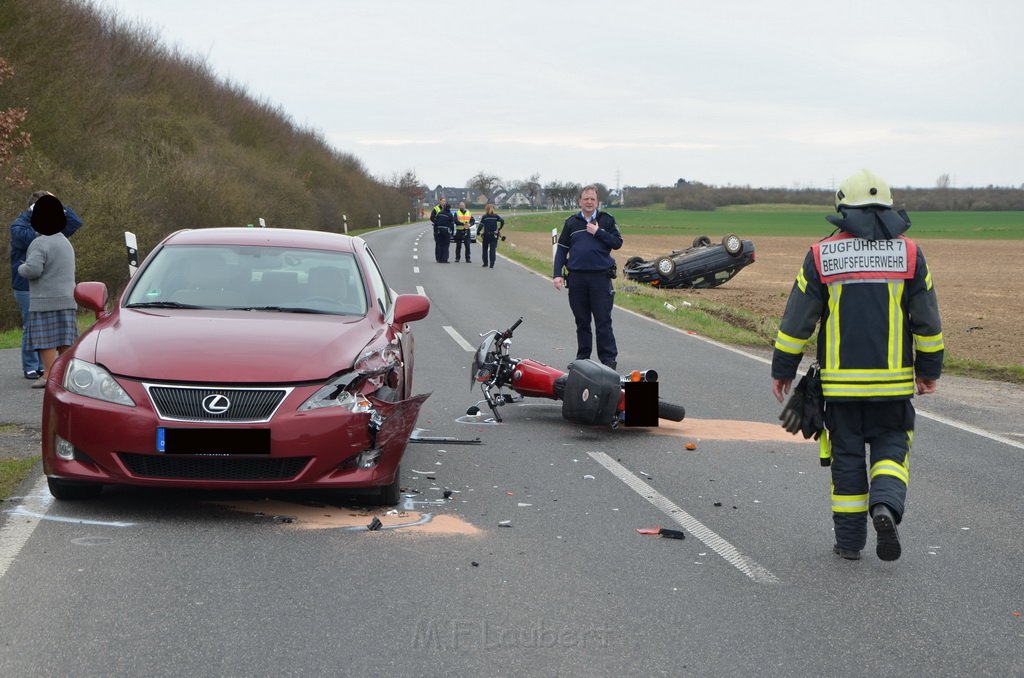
[{"x": 631, "y": 92}]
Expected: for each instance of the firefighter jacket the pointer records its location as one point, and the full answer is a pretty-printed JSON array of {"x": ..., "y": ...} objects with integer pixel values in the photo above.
[{"x": 870, "y": 288}]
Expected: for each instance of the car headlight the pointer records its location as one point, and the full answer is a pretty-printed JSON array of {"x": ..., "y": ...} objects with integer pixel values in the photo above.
[
  {"x": 376, "y": 361},
  {"x": 335, "y": 394},
  {"x": 92, "y": 381}
]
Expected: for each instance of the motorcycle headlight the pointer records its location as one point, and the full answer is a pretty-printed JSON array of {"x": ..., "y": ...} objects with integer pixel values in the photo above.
[
  {"x": 334, "y": 394},
  {"x": 92, "y": 381}
]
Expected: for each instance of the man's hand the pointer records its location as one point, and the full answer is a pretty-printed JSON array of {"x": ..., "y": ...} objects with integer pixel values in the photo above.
[
  {"x": 559, "y": 281},
  {"x": 926, "y": 386},
  {"x": 780, "y": 387},
  {"x": 592, "y": 227}
]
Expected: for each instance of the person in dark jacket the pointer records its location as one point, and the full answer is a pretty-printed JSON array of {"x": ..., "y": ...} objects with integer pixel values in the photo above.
[
  {"x": 870, "y": 289},
  {"x": 489, "y": 231},
  {"x": 584, "y": 249},
  {"x": 22, "y": 235},
  {"x": 444, "y": 227}
]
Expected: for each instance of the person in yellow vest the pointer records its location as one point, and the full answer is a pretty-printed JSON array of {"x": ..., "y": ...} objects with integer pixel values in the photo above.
[
  {"x": 870, "y": 290},
  {"x": 464, "y": 223}
]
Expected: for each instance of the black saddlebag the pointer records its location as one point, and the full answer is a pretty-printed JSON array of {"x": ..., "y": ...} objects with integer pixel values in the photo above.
[{"x": 592, "y": 393}]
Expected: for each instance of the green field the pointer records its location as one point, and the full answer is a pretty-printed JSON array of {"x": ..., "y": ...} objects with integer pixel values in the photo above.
[{"x": 776, "y": 220}]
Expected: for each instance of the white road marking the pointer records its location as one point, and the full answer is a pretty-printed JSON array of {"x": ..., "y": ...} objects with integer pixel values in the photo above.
[
  {"x": 21, "y": 511},
  {"x": 419, "y": 290},
  {"x": 714, "y": 542},
  {"x": 466, "y": 346},
  {"x": 415, "y": 269},
  {"x": 15, "y": 532}
]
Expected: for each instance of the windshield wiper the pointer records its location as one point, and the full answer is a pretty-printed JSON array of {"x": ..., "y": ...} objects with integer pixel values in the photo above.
[
  {"x": 161, "y": 304},
  {"x": 288, "y": 309}
]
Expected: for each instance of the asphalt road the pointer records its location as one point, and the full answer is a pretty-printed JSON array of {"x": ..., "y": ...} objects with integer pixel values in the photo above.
[{"x": 172, "y": 583}]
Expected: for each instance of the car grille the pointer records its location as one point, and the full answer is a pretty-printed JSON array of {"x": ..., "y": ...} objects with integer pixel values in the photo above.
[
  {"x": 213, "y": 468},
  {"x": 211, "y": 403}
]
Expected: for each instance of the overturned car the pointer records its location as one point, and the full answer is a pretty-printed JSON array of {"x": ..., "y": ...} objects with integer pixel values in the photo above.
[{"x": 703, "y": 265}]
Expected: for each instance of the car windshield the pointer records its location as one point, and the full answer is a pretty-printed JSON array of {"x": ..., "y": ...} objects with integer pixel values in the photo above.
[{"x": 249, "y": 278}]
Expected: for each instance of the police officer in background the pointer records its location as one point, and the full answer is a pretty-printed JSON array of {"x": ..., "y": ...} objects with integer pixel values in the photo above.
[
  {"x": 464, "y": 223},
  {"x": 880, "y": 337},
  {"x": 584, "y": 248},
  {"x": 489, "y": 231},
  {"x": 444, "y": 226}
]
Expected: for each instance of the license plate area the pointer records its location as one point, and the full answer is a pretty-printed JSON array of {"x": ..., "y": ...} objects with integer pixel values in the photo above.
[{"x": 213, "y": 441}]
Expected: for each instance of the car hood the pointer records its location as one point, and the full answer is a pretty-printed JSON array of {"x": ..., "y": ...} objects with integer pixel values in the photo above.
[{"x": 227, "y": 346}]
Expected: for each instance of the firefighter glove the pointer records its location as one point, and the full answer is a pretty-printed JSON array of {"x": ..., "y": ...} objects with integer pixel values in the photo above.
[{"x": 793, "y": 413}]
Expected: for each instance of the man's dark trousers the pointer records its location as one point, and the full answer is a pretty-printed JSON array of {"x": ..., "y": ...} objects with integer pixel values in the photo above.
[{"x": 591, "y": 295}]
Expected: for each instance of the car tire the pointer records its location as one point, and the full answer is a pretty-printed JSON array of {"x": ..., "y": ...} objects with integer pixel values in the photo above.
[
  {"x": 701, "y": 241},
  {"x": 390, "y": 494},
  {"x": 733, "y": 245},
  {"x": 666, "y": 267},
  {"x": 633, "y": 260},
  {"x": 67, "y": 490}
]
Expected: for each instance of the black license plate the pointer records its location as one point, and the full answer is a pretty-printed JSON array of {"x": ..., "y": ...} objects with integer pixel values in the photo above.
[{"x": 213, "y": 441}]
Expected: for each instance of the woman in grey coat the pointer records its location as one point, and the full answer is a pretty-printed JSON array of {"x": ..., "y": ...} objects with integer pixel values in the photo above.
[{"x": 50, "y": 270}]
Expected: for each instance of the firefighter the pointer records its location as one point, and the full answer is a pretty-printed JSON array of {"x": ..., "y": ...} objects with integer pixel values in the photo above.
[
  {"x": 464, "y": 222},
  {"x": 880, "y": 339}
]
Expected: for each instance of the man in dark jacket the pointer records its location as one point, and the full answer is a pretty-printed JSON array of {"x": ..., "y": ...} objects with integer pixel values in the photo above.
[
  {"x": 880, "y": 337},
  {"x": 584, "y": 248},
  {"x": 22, "y": 235}
]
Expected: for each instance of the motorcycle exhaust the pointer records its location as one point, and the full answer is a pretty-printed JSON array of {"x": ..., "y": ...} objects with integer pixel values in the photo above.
[{"x": 642, "y": 376}]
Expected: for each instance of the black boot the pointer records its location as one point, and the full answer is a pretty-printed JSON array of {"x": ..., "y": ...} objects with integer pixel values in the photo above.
[
  {"x": 888, "y": 546},
  {"x": 847, "y": 554}
]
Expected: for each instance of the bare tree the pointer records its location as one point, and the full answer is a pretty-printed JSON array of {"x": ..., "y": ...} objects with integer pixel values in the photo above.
[
  {"x": 943, "y": 181},
  {"x": 530, "y": 187},
  {"x": 484, "y": 183},
  {"x": 408, "y": 184}
]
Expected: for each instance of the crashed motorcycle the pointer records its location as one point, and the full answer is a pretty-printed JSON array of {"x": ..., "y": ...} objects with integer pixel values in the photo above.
[{"x": 591, "y": 393}]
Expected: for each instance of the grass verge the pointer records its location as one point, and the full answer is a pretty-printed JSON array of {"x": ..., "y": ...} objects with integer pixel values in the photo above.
[{"x": 12, "y": 472}]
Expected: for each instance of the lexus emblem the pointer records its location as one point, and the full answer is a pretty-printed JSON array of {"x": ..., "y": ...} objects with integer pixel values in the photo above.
[{"x": 216, "y": 403}]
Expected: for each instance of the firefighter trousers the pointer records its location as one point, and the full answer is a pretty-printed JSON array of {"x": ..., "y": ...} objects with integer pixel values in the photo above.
[{"x": 886, "y": 429}]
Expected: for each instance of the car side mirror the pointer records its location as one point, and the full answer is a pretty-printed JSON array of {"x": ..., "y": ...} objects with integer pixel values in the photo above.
[
  {"x": 410, "y": 307},
  {"x": 93, "y": 296}
]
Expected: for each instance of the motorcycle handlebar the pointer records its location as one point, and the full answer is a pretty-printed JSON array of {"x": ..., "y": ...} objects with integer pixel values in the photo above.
[{"x": 508, "y": 333}]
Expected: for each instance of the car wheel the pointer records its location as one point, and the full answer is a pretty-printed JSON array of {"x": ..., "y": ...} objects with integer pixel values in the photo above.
[
  {"x": 633, "y": 260},
  {"x": 666, "y": 267},
  {"x": 63, "y": 489},
  {"x": 390, "y": 494},
  {"x": 733, "y": 245},
  {"x": 701, "y": 241}
]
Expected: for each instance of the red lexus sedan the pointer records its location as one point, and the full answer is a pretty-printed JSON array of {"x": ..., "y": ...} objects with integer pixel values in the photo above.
[{"x": 238, "y": 358}]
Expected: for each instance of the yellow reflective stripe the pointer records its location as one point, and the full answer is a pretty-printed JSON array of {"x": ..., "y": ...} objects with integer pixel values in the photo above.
[
  {"x": 931, "y": 344},
  {"x": 832, "y": 335},
  {"x": 895, "y": 325},
  {"x": 867, "y": 375},
  {"x": 928, "y": 280},
  {"x": 849, "y": 503},
  {"x": 789, "y": 344},
  {"x": 824, "y": 445},
  {"x": 888, "y": 467},
  {"x": 867, "y": 390},
  {"x": 801, "y": 280}
]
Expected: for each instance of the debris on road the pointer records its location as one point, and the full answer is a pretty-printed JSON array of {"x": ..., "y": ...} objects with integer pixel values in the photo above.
[
  {"x": 374, "y": 525},
  {"x": 663, "y": 532},
  {"x": 504, "y": 523}
]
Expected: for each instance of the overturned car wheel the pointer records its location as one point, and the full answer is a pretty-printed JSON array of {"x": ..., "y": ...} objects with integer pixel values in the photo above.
[
  {"x": 701, "y": 241},
  {"x": 666, "y": 267},
  {"x": 733, "y": 245}
]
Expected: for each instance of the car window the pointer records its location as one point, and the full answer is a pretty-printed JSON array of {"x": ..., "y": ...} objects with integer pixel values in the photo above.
[
  {"x": 379, "y": 289},
  {"x": 251, "y": 277}
]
